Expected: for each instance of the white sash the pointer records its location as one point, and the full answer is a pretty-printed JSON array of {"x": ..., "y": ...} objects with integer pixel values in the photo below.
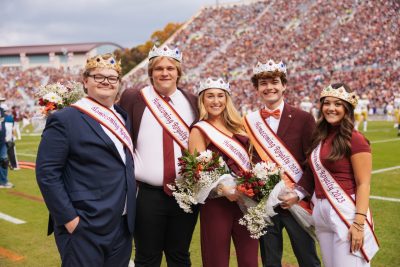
[
  {"x": 273, "y": 146},
  {"x": 107, "y": 118},
  {"x": 166, "y": 115},
  {"x": 229, "y": 146},
  {"x": 344, "y": 206}
]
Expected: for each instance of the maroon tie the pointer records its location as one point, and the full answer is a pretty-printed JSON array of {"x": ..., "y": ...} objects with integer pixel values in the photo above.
[
  {"x": 266, "y": 114},
  {"x": 169, "y": 158}
]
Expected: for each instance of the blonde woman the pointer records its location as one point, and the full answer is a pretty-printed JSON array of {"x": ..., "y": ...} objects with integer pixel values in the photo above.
[{"x": 220, "y": 130}]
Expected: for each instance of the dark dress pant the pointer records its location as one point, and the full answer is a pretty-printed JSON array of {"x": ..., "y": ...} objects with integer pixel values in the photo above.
[
  {"x": 161, "y": 226},
  {"x": 303, "y": 245},
  {"x": 84, "y": 248}
]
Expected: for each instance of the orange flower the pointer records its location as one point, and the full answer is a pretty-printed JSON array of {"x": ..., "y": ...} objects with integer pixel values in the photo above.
[
  {"x": 250, "y": 192},
  {"x": 50, "y": 106},
  {"x": 241, "y": 188},
  {"x": 199, "y": 168}
]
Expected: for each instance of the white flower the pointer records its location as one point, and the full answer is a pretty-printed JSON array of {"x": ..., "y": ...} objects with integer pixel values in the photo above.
[
  {"x": 269, "y": 165},
  {"x": 260, "y": 170},
  {"x": 221, "y": 162},
  {"x": 256, "y": 220},
  {"x": 62, "y": 90},
  {"x": 205, "y": 156},
  {"x": 53, "y": 97}
]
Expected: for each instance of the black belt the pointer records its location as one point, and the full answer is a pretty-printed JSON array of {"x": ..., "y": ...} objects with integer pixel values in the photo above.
[{"x": 149, "y": 186}]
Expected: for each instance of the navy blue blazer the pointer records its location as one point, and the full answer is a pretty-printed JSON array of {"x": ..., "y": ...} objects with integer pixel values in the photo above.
[{"x": 81, "y": 173}]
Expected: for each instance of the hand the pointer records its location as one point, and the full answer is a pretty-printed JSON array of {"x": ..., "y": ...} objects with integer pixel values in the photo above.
[
  {"x": 288, "y": 202},
  {"x": 71, "y": 225},
  {"x": 356, "y": 238},
  {"x": 228, "y": 191}
]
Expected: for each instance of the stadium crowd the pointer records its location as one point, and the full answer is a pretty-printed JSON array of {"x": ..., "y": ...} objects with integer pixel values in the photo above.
[{"x": 323, "y": 42}]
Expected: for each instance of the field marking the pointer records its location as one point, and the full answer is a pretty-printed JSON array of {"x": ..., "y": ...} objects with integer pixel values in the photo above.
[
  {"x": 377, "y": 130},
  {"x": 391, "y": 199},
  {"x": 31, "y": 134},
  {"x": 385, "y": 169},
  {"x": 30, "y": 197},
  {"x": 386, "y": 140},
  {"x": 11, "y": 219},
  {"x": 131, "y": 263},
  {"x": 26, "y": 155},
  {"x": 10, "y": 255}
]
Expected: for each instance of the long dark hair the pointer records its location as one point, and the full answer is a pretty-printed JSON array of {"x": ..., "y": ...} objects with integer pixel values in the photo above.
[{"x": 341, "y": 146}]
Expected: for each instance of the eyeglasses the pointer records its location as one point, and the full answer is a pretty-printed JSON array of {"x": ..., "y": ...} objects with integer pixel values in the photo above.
[{"x": 101, "y": 78}]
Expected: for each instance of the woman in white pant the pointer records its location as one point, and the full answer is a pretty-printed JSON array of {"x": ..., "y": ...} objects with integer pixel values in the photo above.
[{"x": 340, "y": 158}]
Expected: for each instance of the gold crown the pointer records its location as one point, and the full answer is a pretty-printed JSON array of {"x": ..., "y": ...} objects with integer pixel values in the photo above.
[
  {"x": 340, "y": 93},
  {"x": 106, "y": 61}
]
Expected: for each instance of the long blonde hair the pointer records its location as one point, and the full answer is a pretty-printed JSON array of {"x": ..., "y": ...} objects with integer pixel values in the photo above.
[{"x": 232, "y": 119}]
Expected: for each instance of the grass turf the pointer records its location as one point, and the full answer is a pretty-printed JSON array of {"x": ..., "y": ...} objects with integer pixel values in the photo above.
[{"x": 30, "y": 241}]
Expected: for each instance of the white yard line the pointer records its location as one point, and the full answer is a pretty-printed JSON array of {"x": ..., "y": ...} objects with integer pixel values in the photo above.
[
  {"x": 386, "y": 169},
  {"x": 386, "y": 140},
  {"x": 11, "y": 219},
  {"x": 391, "y": 199}
]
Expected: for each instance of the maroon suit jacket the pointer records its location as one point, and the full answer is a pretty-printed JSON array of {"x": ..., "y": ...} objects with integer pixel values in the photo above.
[
  {"x": 132, "y": 102},
  {"x": 295, "y": 130}
]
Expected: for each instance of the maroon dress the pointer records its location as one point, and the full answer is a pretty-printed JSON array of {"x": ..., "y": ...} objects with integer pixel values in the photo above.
[{"x": 219, "y": 222}]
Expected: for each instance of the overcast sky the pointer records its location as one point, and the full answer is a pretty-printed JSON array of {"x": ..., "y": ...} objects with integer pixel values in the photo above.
[{"x": 125, "y": 22}]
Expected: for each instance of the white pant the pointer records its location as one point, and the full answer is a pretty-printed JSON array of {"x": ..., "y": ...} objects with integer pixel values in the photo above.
[{"x": 335, "y": 250}]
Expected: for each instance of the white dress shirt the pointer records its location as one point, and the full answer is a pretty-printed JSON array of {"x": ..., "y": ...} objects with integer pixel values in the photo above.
[
  {"x": 149, "y": 161},
  {"x": 271, "y": 121},
  {"x": 118, "y": 145}
]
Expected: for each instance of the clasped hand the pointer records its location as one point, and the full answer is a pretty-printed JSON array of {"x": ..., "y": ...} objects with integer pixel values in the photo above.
[{"x": 288, "y": 198}]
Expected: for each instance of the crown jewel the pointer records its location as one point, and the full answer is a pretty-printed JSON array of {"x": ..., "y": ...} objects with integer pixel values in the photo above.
[
  {"x": 340, "y": 93},
  {"x": 165, "y": 52},
  {"x": 106, "y": 61},
  {"x": 217, "y": 84},
  {"x": 270, "y": 66}
]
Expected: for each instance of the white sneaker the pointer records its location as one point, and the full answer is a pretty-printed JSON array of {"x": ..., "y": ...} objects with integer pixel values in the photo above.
[{"x": 7, "y": 185}]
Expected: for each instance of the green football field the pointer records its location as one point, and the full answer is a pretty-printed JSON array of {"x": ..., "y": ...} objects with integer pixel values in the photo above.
[{"x": 27, "y": 244}]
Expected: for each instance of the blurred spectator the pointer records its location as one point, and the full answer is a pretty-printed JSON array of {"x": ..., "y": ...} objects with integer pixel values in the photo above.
[
  {"x": 4, "y": 183},
  {"x": 10, "y": 138},
  {"x": 16, "y": 113}
]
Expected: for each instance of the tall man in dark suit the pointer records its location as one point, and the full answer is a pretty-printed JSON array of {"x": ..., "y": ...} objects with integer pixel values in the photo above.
[
  {"x": 85, "y": 172},
  {"x": 281, "y": 133},
  {"x": 161, "y": 115}
]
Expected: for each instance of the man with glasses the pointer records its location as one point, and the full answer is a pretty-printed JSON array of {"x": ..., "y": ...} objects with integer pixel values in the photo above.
[{"x": 85, "y": 172}]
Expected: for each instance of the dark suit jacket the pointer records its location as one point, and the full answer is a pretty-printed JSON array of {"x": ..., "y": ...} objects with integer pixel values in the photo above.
[
  {"x": 80, "y": 172},
  {"x": 132, "y": 102}
]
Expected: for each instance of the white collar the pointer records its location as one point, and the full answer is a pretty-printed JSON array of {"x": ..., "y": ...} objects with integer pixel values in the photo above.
[{"x": 280, "y": 107}]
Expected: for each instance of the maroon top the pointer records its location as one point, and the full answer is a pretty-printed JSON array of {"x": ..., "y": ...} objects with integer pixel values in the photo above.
[
  {"x": 243, "y": 140},
  {"x": 341, "y": 170}
]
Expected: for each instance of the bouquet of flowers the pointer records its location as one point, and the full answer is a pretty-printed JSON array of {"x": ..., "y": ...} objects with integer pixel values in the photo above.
[
  {"x": 199, "y": 174},
  {"x": 56, "y": 96},
  {"x": 256, "y": 186}
]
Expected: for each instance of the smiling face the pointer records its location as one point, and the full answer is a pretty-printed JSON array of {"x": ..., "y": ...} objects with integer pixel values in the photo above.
[
  {"x": 333, "y": 110},
  {"x": 271, "y": 91},
  {"x": 214, "y": 101},
  {"x": 100, "y": 88},
  {"x": 164, "y": 75}
]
